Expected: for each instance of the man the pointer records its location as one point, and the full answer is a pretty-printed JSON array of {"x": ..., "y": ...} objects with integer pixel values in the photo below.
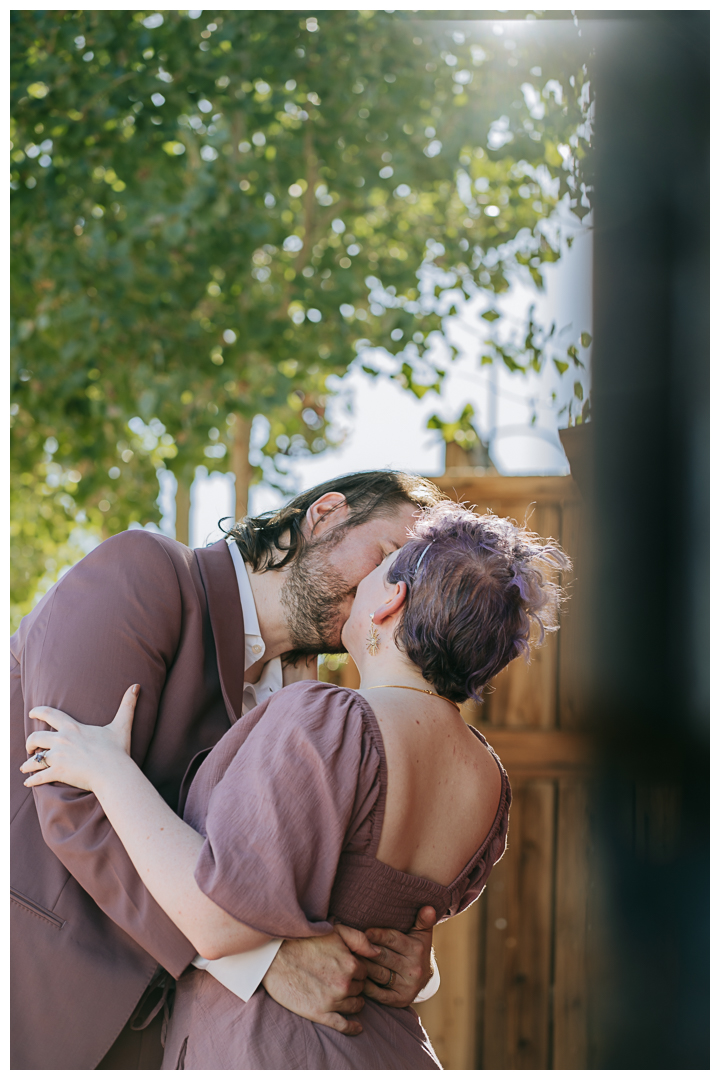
[{"x": 204, "y": 633}]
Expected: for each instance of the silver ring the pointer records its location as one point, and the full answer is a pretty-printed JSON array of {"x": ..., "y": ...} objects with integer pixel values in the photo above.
[{"x": 41, "y": 756}]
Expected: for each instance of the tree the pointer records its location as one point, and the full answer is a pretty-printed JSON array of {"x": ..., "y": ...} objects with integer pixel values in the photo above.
[{"x": 210, "y": 217}]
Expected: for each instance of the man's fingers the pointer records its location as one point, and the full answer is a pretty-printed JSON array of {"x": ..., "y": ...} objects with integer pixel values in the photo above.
[
  {"x": 387, "y": 959},
  {"x": 379, "y": 993},
  {"x": 343, "y": 1023},
  {"x": 387, "y": 938},
  {"x": 426, "y": 919},
  {"x": 354, "y": 988},
  {"x": 340, "y": 1023},
  {"x": 408, "y": 955},
  {"x": 380, "y": 975},
  {"x": 356, "y": 941},
  {"x": 351, "y": 969},
  {"x": 393, "y": 939},
  {"x": 352, "y": 1004}
]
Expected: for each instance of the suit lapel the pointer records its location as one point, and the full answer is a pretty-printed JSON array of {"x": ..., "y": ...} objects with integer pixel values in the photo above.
[{"x": 226, "y": 618}]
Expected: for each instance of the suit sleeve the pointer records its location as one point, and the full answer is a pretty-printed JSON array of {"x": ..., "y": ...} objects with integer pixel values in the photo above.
[{"x": 113, "y": 620}]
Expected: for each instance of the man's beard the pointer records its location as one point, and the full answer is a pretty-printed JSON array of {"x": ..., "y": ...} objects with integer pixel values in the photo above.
[{"x": 312, "y": 596}]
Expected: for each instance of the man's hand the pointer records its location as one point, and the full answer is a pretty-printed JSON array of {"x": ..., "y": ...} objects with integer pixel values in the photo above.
[
  {"x": 403, "y": 968},
  {"x": 320, "y": 978}
]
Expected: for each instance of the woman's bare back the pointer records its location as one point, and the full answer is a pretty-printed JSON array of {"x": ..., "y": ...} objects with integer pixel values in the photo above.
[{"x": 443, "y": 789}]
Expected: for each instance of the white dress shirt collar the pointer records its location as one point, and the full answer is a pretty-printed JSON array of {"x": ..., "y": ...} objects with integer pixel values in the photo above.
[{"x": 270, "y": 678}]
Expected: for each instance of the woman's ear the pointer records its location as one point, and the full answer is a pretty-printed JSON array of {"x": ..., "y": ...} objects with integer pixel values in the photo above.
[
  {"x": 325, "y": 513},
  {"x": 393, "y": 604}
]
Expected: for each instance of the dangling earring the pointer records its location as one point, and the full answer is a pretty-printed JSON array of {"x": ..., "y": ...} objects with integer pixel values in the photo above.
[{"x": 373, "y": 638}]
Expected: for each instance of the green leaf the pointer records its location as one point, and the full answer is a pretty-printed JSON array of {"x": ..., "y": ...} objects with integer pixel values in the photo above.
[
  {"x": 561, "y": 366},
  {"x": 370, "y": 371},
  {"x": 491, "y": 315},
  {"x": 578, "y": 390},
  {"x": 585, "y": 339},
  {"x": 460, "y": 431}
]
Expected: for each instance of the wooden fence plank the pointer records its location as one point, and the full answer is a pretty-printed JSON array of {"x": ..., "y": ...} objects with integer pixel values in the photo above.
[
  {"x": 574, "y": 649},
  {"x": 570, "y": 999},
  {"x": 543, "y": 753},
  {"x": 519, "y": 931},
  {"x": 450, "y": 1016},
  {"x": 487, "y": 492}
]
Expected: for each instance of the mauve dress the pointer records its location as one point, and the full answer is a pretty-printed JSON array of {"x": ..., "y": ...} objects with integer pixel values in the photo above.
[{"x": 291, "y": 803}]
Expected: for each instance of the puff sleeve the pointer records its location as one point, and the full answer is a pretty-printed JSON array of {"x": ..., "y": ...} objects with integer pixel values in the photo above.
[{"x": 278, "y": 818}]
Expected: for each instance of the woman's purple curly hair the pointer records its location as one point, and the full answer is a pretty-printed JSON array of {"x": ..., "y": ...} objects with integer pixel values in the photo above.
[{"x": 478, "y": 585}]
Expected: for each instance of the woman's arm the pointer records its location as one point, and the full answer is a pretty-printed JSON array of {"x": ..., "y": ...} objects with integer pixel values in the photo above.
[
  {"x": 115, "y": 618},
  {"x": 162, "y": 847}
]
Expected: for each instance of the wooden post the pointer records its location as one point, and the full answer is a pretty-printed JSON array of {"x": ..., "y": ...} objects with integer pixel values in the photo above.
[
  {"x": 519, "y": 936},
  {"x": 450, "y": 1016},
  {"x": 529, "y": 941},
  {"x": 570, "y": 1005},
  {"x": 182, "y": 513},
  {"x": 241, "y": 467}
]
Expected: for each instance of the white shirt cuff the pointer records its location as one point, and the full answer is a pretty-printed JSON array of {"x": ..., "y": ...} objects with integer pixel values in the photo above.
[
  {"x": 431, "y": 988},
  {"x": 243, "y": 972}
]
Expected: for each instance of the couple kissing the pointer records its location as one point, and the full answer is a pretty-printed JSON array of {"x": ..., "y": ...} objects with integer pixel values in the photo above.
[{"x": 240, "y": 866}]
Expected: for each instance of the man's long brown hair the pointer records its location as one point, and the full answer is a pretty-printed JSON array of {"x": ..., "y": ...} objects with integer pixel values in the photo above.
[{"x": 271, "y": 540}]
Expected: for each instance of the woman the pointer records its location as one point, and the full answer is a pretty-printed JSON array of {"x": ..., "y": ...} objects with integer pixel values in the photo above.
[{"x": 326, "y": 804}]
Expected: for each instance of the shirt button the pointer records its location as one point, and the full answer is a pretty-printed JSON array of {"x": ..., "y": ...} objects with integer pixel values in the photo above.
[{"x": 257, "y": 648}]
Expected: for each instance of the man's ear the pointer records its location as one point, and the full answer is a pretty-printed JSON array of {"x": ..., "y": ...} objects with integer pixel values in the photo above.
[
  {"x": 393, "y": 604},
  {"x": 324, "y": 514}
]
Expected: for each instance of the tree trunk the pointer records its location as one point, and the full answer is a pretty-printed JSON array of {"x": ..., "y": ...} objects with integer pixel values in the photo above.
[
  {"x": 182, "y": 513},
  {"x": 241, "y": 466}
]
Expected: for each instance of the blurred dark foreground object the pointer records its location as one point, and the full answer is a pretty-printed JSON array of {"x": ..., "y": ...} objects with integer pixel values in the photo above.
[{"x": 650, "y": 532}]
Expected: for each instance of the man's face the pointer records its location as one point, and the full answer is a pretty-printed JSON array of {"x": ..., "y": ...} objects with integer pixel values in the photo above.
[{"x": 323, "y": 578}]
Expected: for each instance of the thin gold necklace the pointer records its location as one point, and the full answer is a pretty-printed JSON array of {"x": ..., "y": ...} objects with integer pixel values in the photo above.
[{"x": 396, "y": 686}]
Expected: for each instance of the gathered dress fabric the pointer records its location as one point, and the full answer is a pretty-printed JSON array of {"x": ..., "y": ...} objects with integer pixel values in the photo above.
[{"x": 291, "y": 804}]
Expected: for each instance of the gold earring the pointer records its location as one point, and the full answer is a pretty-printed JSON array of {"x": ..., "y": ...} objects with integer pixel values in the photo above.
[{"x": 373, "y": 638}]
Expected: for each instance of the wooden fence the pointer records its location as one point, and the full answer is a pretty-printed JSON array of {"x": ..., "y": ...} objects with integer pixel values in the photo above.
[{"x": 514, "y": 991}]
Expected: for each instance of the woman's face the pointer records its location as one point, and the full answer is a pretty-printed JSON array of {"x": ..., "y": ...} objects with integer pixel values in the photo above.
[{"x": 372, "y": 592}]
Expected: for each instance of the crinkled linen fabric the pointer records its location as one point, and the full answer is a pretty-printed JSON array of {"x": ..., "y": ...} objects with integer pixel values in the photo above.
[{"x": 291, "y": 804}]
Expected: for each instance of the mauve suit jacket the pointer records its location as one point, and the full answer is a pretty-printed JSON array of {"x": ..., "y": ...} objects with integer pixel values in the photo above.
[{"x": 86, "y": 936}]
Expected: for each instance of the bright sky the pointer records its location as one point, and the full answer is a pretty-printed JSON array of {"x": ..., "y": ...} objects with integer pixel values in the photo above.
[{"x": 387, "y": 425}]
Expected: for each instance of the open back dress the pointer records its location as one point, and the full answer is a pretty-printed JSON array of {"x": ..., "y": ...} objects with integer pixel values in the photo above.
[{"x": 291, "y": 804}]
